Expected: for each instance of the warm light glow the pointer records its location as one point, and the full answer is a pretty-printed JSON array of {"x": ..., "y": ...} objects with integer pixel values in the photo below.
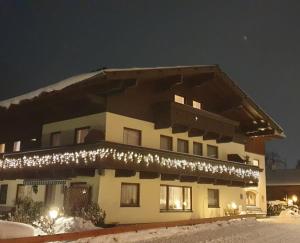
[
  {"x": 294, "y": 198},
  {"x": 177, "y": 204},
  {"x": 53, "y": 213},
  {"x": 290, "y": 202},
  {"x": 233, "y": 205}
]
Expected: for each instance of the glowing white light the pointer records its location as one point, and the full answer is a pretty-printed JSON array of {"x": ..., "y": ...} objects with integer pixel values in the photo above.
[
  {"x": 53, "y": 213},
  {"x": 294, "y": 198},
  {"x": 233, "y": 205}
]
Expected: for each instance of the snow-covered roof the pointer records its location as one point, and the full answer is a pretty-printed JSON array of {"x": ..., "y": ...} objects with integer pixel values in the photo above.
[{"x": 54, "y": 87}]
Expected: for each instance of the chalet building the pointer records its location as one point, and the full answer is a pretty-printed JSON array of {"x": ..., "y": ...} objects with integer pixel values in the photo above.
[{"x": 146, "y": 144}]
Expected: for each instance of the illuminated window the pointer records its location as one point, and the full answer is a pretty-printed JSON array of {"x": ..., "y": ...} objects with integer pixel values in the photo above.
[
  {"x": 55, "y": 139},
  {"x": 255, "y": 162},
  {"x": 197, "y": 105},
  {"x": 17, "y": 146},
  {"x": 179, "y": 99},
  {"x": 166, "y": 142},
  {"x": 182, "y": 146},
  {"x": 132, "y": 136},
  {"x": 2, "y": 148},
  {"x": 80, "y": 134},
  {"x": 130, "y": 195},
  {"x": 213, "y": 198},
  {"x": 212, "y": 151},
  {"x": 175, "y": 198},
  {"x": 197, "y": 148}
]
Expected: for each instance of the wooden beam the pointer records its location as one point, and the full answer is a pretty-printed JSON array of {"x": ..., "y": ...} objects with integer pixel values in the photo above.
[
  {"x": 184, "y": 178},
  {"x": 204, "y": 180},
  {"x": 194, "y": 132},
  {"x": 176, "y": 128},
  {"x": 224, "y": 139},
  {"x": 149, "y": 175},
  {"x": 211, "y": 136},
  {"x": 169, "y": 177},
  {"x": 124, "y": 173}
]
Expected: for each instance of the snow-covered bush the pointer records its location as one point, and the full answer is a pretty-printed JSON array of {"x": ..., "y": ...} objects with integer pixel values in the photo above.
[
  {"x": 92, "y": 212},
  {"x": 274, "y": 208},
  {"x": 27, "y": 211}
]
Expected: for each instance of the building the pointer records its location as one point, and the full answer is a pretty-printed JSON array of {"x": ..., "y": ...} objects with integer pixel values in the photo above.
[
  {"x": 283, "y": 185},
  {"x": 147, "y": 144}
]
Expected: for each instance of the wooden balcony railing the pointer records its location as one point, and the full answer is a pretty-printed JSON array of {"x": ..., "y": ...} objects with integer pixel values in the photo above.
[{"x": 108, "y": 155}]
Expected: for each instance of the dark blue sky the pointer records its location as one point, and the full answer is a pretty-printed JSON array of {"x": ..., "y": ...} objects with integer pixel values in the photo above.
[{"x": 256, "y": 42}]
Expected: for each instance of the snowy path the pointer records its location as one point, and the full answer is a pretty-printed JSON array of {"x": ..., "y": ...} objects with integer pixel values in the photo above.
[{"x": 273, "y": 230}]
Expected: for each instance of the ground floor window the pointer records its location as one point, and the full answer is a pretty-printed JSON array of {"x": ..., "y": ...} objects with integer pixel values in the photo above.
[
  {"x": 175, "y": 198},
  {"x": 130, "y": 195},
  {"x": 213, "y": 198},
  {"x": 3, "y": 193},
  {"x": 50, "y": 195}
]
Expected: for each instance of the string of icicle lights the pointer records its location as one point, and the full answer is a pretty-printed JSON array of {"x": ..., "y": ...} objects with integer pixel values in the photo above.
[{"x": 96, "y": 155}]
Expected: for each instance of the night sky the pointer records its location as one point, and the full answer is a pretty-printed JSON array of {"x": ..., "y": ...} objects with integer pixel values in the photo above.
[{"x": 256, "y": 42}]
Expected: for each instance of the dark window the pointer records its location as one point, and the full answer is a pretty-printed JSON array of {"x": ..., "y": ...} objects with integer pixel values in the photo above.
[
  {"x": 166, "y": 142},
  {"x": 20, "y": 193},
  {"x": 130, "y": 195},
  {"x": 213, "y": 198},
  {"x": 182, "y": 146},
  {"x": 80, "y": 134},
  {"x": 3, "y": 193},
  {"x": 212, "y": 151},
  {"x": 132, "y": 136},
  {"x": 197, "y": 149},
  {"x": 175, "y": 198},
  {"x": 55, "y": 139}
]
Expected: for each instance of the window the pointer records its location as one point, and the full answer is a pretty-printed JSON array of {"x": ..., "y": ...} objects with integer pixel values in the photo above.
[
  {"x": 3, "y": 193},
  {"x": 80, "y": 134},
  {"x": 179, "y": 99},
  {"x": 21, "y": 193},
  {"x": 213, "y": 198},
  {"x": 50, "y": 195},
  {"x": 182, "y": 146},
  {"x": 166, "y": 142},
  {"x": 130, "y": 195},
  {"x": 17, "y": 146},
  {"x": 197, "y": 148},
  {"x": 175, "y": 198},
  {"x": 2, "y": 148},
  {"x": 132, "y": 136},
  {"x": 212, "y": 151},
  {"x": 55, "y": 139},
  {"x": 196, "y": 104},
  {"x": 255, "y": 162}
]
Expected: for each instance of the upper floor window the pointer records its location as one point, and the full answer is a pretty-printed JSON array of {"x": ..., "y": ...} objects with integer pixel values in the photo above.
[
  {"x": 179, "y": 99},
  {"x": 17, "y": 146},
  {"x": 55, "y": 139},
  {"x": 255, "y": 162},
  {"x": 166, "y": 142},
  {"x": 213, "y": 198},
  {"x": 2, "y": 148},
  {"x": 3, "y": 193},
  {"x": 212, "y": 151},
  {"x": 132, "y": 136},
  {"x": 80, "y": 134},
  {"x": 182, "y": 146},
  {"x": 130, "y": 195},
  {"x": 197, "y": 148},
  {"x": 196, "y": 104}
]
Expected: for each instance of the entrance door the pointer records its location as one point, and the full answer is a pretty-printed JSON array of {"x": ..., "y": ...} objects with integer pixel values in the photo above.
[
  {"x": 77, "y": 196},
  {"x": 250, "y": 198}
]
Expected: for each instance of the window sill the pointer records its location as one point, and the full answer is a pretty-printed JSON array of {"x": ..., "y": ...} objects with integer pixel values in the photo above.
[
  {"x": 176, "y": 211},
  {"x": 213, "y": 206},
  {"x": 129, "y": 206}
]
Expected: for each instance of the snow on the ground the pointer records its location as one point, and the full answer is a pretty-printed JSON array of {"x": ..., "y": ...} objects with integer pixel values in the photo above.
[
  {"x": 72, "y": 224},
  {"x": 14, "y": 230},
  {"x": 278, "y": 229}
]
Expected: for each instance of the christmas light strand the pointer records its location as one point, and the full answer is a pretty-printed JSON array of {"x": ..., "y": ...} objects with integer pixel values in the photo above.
[{"x": 89, "y": 157}]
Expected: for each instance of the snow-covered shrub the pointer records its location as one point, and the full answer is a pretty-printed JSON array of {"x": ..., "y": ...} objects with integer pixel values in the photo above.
[
  {"x": 45, "y": 224},
  {"x": 27, "y": 211},
  {"x": 92, "y": 212}
]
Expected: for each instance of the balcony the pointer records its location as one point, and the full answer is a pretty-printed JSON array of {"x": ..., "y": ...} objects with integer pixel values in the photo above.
[
  {"x": 184, "y": 118},
  {"x": 66, "y": 162}
]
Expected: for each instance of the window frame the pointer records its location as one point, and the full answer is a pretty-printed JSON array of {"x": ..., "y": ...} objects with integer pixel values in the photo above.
[
  {"x": 212, "y": 146},
  {"x": 256, "y": 160},
  {"x": 3, "y": 147},
  {"x": 135, "y": 130},
  {"x": 183, "y": 140},
  {"x": 76, "y": 131},
  {"x": 181, "y": 97},
  {"x": 218, "y": 201},
  {"x": 3, "y": 198},
  {"x": 51, "y": 138},
  {"x": 168, "y": 137},
  {"x": 17, "y": 146},
  {"x": 195, "y": 103},
  {"x": 201, "y": 145},
  {"x": 167, "y": 209},
  {"x": 132, "y": 205}
]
